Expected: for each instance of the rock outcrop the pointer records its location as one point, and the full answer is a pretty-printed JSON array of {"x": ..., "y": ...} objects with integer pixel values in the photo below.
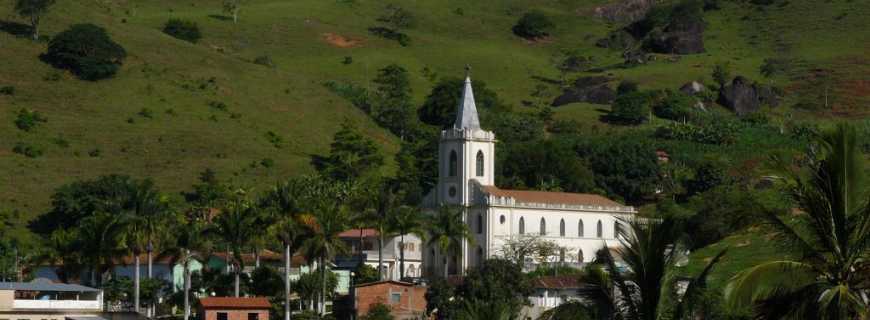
[
  {"x": 740, "y": 96},
  {"x": 625, "y": 11},
  {"x": 692, "y": 88},
  {"x": 678, "y": 38},
  {"x": 587, "y": 89}
]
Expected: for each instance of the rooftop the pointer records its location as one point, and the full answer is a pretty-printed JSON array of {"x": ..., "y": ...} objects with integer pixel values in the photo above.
[
  {"x": 530, "y": 196},
  {"x": 557, "y": 282},
  {"x": 45, "y": 285},
  {"x": 236, "y": 303},
  {"x": 355, "y": 233}
]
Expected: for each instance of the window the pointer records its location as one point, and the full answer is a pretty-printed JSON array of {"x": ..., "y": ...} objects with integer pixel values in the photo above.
[
  {"x": 479, "y": 224},
  {"x": 501, "y": 219},
  {"x": 562, "y": 228},
  {"x": 562, "y": 255},
  {"x": 479, "y": 165},
  {"x": 479, "y": 255},
  {"x": 543, "y": 227},
  {"x": 600, "y": 230},
  {"x": 615, "y": 228},
  {"x": 522, "y": 225},
  {"x": 580, "y": 255},
  {"x": 451, "y": 171},
  {"x": 222, "y": 316},
  {"x": 253, "y": 316},
  {"x": 395, "y": 297},
  {"x": 580, "y": 228}
]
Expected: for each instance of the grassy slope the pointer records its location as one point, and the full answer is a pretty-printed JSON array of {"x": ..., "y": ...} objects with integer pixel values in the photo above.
[{"x": 290, "y": 99}]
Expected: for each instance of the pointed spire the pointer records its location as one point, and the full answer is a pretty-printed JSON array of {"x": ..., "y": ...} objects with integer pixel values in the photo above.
[{"x": 466, "y": 116}]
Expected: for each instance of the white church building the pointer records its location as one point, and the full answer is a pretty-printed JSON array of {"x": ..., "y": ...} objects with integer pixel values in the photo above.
[{"x": 581, "y": 224}]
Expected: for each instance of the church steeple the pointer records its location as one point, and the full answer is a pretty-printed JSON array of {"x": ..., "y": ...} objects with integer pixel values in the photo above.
[{"x": 466, "y": 115}]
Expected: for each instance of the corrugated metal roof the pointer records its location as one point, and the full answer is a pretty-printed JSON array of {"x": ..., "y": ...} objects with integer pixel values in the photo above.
[{"x": 45, "y": 286}]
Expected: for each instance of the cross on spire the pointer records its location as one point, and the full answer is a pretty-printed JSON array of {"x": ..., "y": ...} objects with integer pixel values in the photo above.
[{"x": 466, "y": 115}]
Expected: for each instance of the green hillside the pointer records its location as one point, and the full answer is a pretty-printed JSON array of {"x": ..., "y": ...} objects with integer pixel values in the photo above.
[{"x": 158, "y": 117}]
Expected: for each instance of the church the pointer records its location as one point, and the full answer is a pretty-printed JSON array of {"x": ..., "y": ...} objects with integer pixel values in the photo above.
[{"x": 580, "y": 224}]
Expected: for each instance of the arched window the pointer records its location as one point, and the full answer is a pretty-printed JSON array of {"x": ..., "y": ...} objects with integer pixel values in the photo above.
[
  {"x": 580, "y": 255},
  {"x": 543, "y": 227},
  {"x": 479, "y": 256},
  {"x": 600, "y": 230},
  {"x": 479, "y": 165},
  {"x": 562, "y": 228},
  {"x": 479, "y": 224},
  {"x": 451, "y": 171},
  {"x": 580, "y": 228},
  {"x": 562, "y": 255},
  {"x": 522, "y": 225}
]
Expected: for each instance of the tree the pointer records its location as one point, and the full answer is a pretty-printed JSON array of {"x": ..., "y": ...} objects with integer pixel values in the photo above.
[
  {"x": 235, "y": 225},
  {"x": 632, "y": 108},
  {"x": 572, "y": 310},
  {"x": 439, "y": 109},
  {"x": 447, "y": 230},
  {"x": 397, "y": 17},
  {"x": 498, "y": 288},
  {"x": 35, "y": 10},
  {"x": 722, "y": 73},
  {"x": 232, "y": 8},
  {"x": 546, "y": 164},
  {"x": 650, "y": 249},
  {"x": 533, "y": 25},
  {"x": 191, "y": 243},
  {"x": 392, "y": 107},
  {"x": 624, "y": 166},
  {"x": 87, "y": 51},
  {"x": 351, "y": 155},
  {"x": 831, "y": 236},
  {"x": 676, "y": 106},
  {"x": 407, "y": 220},
  {"x": 142, "y": 225},
  {"x": 289, "y": 225},
  {"x": 382, "y": 206}
]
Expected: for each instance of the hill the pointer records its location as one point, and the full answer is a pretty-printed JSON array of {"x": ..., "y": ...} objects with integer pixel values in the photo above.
[{"x": 177, "y": 108}]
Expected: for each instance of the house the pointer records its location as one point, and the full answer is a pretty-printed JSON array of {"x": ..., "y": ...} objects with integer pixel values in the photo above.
[
  {"x": 230, "y": 308},
  {"x": 580, "y": 224},
  {"x": 552, "y": 291},
  {"x": 44, "y": 300},
  {"x": 364, "y": 249},
  {"x": 406, "y": 300}
]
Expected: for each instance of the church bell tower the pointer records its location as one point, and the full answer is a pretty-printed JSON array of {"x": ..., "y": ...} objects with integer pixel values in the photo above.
[{"x": 465, "y": 153}]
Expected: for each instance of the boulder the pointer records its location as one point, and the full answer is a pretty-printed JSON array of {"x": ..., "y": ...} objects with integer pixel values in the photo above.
[
  {"x": 678, "y": 38},
  {"x": 692, "y": 88},
  {"x": 740, "y": 96},
  {"x": 587, "y": 89},
  {"x": 625, "y": 11}
]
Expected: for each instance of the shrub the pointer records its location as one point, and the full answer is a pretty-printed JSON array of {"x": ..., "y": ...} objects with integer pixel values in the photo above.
[
  {"x": 625, "y": 87},
  {"x": 28, "y": 119},
  {"x": 218, "y": 105},
  {"x": 87, "y": 51},
  {"x": 387, "y": 33},
  {"x": 676, "y": 106},
  {"x": 632, "y": 108},
  {"x": 347, "y": 60},
  {"x": 267, "y": 163},
  {"x": 397, "y": 17},
  {"x": 533, "y": 25},
  {"x": 146, "y": 113},
  {"x": 7, "y": 90},
  {"x": 27, "y": 150},
  {"x": 265, "y": 61},
  {"x": 94, "y": 153},
  {"x": 719, "y": 132},
  {"x": 183, "y": 30},
  {"x": 274, "y": 139}
]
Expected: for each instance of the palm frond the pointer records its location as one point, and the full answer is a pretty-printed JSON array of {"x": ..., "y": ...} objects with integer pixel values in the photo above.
[{"x": 767, "y": 280}]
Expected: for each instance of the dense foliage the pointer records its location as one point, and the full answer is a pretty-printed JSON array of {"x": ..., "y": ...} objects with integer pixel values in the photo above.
[
  {"x": 533, "y": 25},
  {"x": 86, "y": 50},
  {"x": 182, "y": 29}
]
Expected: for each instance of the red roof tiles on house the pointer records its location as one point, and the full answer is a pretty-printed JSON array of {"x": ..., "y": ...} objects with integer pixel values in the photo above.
[
  {"x": 529, "y": 196},
  {"x": 235, "y": 303},
  {"x": 556, "y": 282},
  {"x": 355, "y": 233}
]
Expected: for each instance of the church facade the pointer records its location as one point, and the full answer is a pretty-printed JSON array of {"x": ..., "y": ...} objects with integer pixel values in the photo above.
[{"x": 580, "y": 224}]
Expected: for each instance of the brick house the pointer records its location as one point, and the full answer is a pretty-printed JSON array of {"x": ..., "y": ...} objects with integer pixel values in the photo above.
[
  {"x": 229, "y": 308},
  {"x": 406, "y": 300}
]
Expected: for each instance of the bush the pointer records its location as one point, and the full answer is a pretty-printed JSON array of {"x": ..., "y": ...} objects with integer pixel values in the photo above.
[
  {"x": 625, "y": 87},
  {"x": 632, "y": 108},
  {"x": 397, "y": 17},
  {"x": 676, "y": 106},
  {"x": 27, "y": 150},
  {"x": 87, "y": 51},
  {"x": 387, "y": 33},
  {"x": 267, "y": 163},
  {"x": 265, "y": 61},
  {"x": 721, "y": 132},
  {"x": 533, "y": 25},
  {"x": 28, "y": 119},
  {"x": 182, "y": 29},
  {"x": 7, "y": 90}
]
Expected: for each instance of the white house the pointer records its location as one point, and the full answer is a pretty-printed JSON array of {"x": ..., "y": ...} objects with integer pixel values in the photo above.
[
  {"x": 367, "y": 250},
  {"x": 580, "y": 223}
]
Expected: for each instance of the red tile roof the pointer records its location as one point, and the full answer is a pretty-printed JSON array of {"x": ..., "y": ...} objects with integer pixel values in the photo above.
[
  {"x": 235, "y": 303},
  {"x": 556, "y": 282},
  {"x": 265, "y": 255},
  {"x": 354, "y": 233},
  {"x": 529, "y": 196}
]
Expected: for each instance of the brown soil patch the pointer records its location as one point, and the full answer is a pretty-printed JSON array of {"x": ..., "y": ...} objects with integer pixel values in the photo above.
[
  {"x": 337, "y": 40},
  {"x": 539, "y": 41}
]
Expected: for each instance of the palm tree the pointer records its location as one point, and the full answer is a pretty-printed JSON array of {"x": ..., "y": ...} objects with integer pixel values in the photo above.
[
  {"x": 142, "y": 224},
  {"x": 191, "y": 243},
  {"x": 832, "y": 236},
  {"x": 406, "y": 220},
  {"x": 235, "y": 225},
  {"x": 447, "y": 230},
  {"x": 288, "y": 225},
  {"x": 383, "y": 205},
  {"x": 97, "y": 237},
  {"x": 650, "y": 249}
]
